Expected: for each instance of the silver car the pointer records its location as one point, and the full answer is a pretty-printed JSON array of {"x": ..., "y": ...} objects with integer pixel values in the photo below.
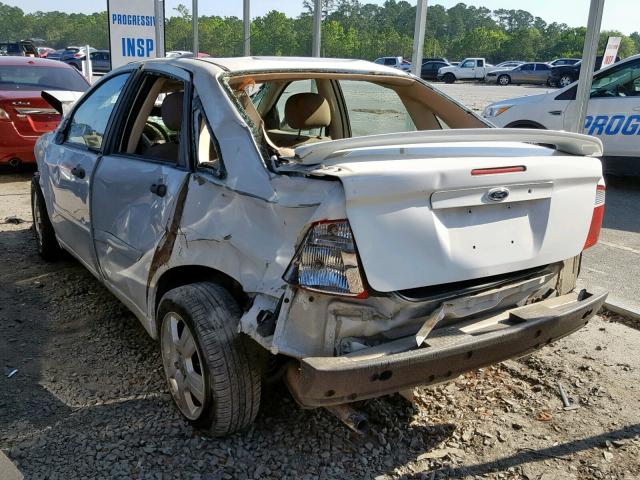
[
  {"x": 265, "y": 219},
  {"x": 535, "y": 73}
]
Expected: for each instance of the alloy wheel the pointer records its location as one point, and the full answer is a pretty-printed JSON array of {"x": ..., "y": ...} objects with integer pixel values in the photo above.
[
  {"x": 566, "y": 81},
  {"x": 182, "y": 365}
]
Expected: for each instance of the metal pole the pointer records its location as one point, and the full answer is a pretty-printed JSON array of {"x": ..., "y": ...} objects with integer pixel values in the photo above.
[
  {"x": 247, "y": 28},
  {"x": 194, "y": 21},
  {"x": 418, "y": 37},
  {"x": 576, "y": 124},
  {"x": 317, "y": 28},
  {"x": 87, "y": 67},
  {"x": 158, "y": 7}
]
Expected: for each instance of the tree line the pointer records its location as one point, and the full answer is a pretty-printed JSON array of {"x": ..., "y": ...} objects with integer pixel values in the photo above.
[{"x": 350, "y": 29}]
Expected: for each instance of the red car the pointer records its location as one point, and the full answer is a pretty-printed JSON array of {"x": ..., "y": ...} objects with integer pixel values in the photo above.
[{"x": 24, "y": 115}]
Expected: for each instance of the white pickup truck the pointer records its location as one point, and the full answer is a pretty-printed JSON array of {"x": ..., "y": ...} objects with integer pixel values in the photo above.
[
  {"x": 468, "y": 69},
  {"x": 264, "y": 218}
]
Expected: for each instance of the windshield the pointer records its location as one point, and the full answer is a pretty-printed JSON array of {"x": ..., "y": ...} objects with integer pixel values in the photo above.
[{"x": 41, "y": 78}]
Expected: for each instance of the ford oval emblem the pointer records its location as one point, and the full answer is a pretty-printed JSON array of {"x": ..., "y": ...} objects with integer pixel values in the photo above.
[{"x": 498, "y": 194}]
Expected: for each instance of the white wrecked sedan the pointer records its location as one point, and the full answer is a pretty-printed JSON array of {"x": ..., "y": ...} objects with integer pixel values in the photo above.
[{"x": 336, "y": 223}]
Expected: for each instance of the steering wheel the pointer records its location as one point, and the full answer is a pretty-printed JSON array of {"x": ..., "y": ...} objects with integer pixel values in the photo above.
[{"x": 152, "y": 134}]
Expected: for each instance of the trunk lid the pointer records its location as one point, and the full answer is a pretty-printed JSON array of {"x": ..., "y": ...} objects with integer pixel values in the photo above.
[
  {"x": 29, "y": 112},
  {"x": 434, "y": 213}
]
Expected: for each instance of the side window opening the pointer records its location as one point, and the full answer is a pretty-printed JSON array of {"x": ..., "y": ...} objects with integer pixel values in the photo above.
[
  {"x": 153, "y": 129},
  {"x": 623, "y": 81},
  {"x": 207, "y": 148}
]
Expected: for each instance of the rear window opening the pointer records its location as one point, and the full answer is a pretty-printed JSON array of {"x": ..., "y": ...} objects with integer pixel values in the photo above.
[
  {"x": 296, "y": 109},
  {"x": 17, "y": 77}
]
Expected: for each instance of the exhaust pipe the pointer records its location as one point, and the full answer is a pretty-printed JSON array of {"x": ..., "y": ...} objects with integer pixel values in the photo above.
[
  {"x": 15, "y": 162},
  {"x": 353, "y": 419}
]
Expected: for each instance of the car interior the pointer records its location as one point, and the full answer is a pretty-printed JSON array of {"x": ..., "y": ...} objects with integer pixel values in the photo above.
[
  {"x": 291, "y": 110},
  {"x": 156, "y": 123},
  {"x": 156, "y": 120}
]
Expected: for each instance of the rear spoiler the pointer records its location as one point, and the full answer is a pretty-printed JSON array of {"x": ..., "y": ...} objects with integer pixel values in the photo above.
[
  {"x": 572, "y": 143},
  {"x": 61, "y": 100}
]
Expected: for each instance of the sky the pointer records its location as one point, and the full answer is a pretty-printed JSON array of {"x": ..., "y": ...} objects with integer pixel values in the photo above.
[{"x": 618, "y": 14}]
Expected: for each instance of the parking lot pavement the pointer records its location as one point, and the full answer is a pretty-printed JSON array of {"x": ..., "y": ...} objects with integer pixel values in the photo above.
[
  {"x": 478, "y": 95},
  {"x": 614, "y": 263}
]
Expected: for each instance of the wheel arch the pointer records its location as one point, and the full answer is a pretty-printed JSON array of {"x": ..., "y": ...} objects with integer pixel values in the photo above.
[
  {"x": 188, "y": 274},
  {"x": 525, "y": 124}
]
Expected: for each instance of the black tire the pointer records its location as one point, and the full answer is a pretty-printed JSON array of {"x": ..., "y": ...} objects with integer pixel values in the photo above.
[
  {"x": 504, "y": 80},
  {"x": 48, "y": 246},
  {"x": 449, "y": 78},
  {"x": 232, "y": 382}
]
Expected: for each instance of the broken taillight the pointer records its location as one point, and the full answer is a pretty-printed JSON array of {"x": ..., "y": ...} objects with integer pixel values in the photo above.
[
  {"x": 596, "y": 219},
  {"x": 327, "y": 261}
]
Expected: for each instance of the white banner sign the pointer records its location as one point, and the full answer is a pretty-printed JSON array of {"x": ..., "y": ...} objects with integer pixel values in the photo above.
[
  {"x": 132, "y": 31},
  {"x": 611, "y": 52}
]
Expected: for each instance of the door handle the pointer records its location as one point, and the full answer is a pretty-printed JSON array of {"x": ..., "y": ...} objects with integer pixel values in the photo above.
[
  {"x": 555, "y": 112},
  {"x": 160, "y": 189},
  {"x": 78, "y": 171}
]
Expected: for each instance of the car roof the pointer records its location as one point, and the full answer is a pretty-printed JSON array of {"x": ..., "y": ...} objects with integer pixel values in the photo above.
[
  {"x": 236, "y": 65},
  {"x": 31, "y": 61}
]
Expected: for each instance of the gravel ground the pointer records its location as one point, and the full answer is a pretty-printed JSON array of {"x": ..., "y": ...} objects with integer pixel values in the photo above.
[{"x": 88, "y": 399}]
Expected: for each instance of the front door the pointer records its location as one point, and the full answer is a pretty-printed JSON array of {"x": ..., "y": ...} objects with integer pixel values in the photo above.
[
  {"x": 524, "y": 73},
  {"x": 138, "y": 185},
  {"x": 71, "y": 163},
  {"x": 613, "y": 113},
  {"x": 467, "y": 70}
]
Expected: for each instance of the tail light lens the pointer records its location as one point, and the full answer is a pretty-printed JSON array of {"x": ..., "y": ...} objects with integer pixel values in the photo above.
[
  {"x": 78, "y": 55},
  {"x": 596, "y": 219},
  {"x": 327, "y": 261}
]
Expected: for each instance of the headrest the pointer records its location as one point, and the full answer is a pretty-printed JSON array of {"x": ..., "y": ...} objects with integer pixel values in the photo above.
[
  {"x": 304, "y": 111},
  {"x": 172, "y": 111}
]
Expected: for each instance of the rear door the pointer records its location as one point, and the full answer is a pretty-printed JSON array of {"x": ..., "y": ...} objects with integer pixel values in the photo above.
[
  {"x": 542, "y": 73},
  {"x": 138, "y": 185},
  {"x": 72, "y": 161}
]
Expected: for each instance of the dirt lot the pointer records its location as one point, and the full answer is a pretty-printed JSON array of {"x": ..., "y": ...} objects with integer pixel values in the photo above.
[{"x": 88, "y": 399}]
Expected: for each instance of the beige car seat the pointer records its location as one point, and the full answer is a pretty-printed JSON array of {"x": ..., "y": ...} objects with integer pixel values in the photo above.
[
  {"x": 303, "y": 112},
  {"x": 171, "y": 111}
]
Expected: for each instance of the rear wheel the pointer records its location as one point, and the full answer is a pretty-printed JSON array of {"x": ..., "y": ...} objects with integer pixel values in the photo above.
[
  {"x": 504, "y": 80},
  {"x": 212, "y": 378},
  {"x": 565, "y": 81},
  {"x": 48, "y": 246},
  {"x": 449, "y": 78}
]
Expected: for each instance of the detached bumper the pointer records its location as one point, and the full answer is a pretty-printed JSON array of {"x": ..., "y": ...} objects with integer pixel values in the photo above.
[{"x": 446, "y": 353}]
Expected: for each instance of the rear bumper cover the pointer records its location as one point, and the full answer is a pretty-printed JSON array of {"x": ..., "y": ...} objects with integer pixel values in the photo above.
[
  {"x": 449, "y": 352},
  {"x": 15, "y": 145}
]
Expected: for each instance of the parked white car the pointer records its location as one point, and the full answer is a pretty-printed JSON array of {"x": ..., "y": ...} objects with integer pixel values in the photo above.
[
  {"x": 613, "y": 113},
  {"x": 265, "y": 217},
  {"x": 395, "y": 62},
  {"x": 468, "y": 69}
]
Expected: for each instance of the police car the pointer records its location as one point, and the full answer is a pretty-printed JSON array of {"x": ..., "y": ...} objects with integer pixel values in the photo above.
[{"x": 613, "y": 113}]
